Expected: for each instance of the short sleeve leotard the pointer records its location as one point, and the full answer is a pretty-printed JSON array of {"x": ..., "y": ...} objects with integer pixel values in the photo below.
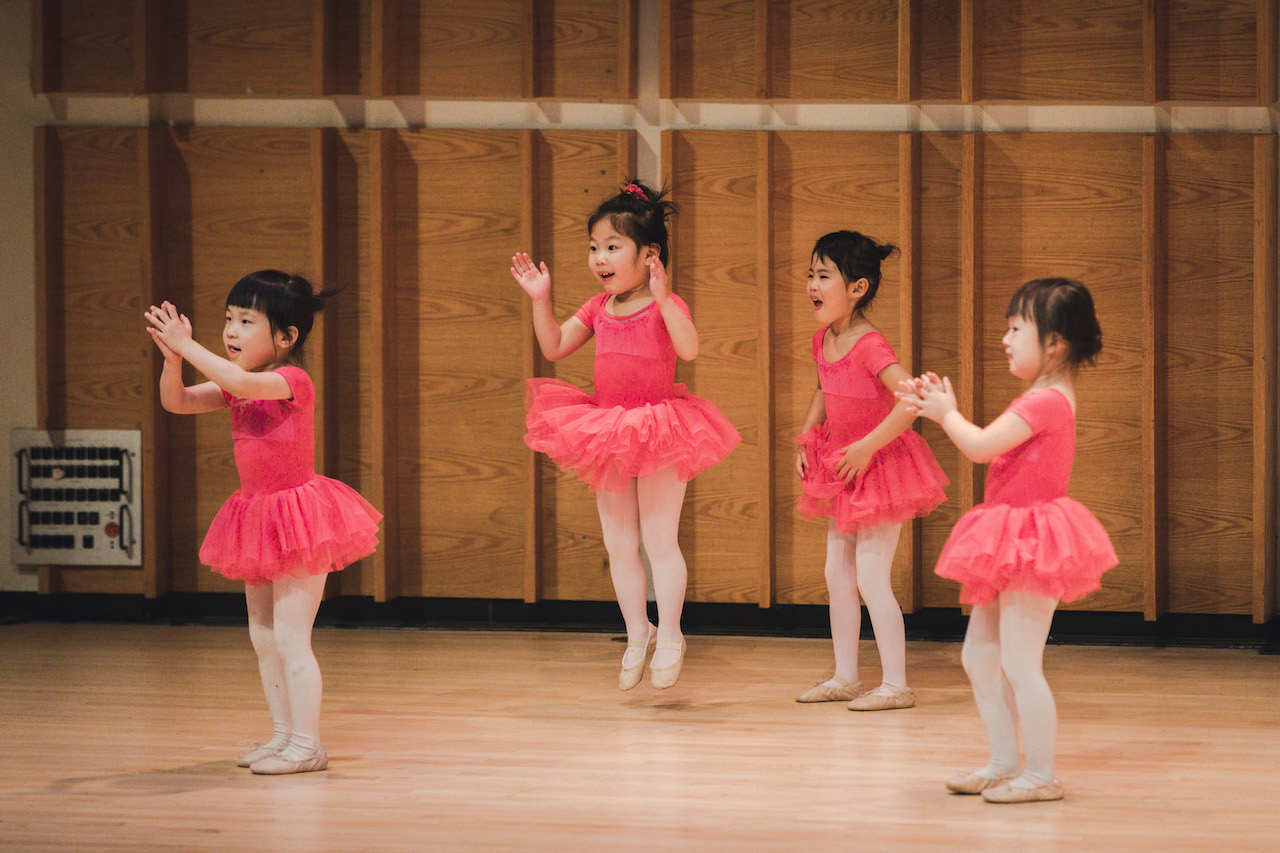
[
  {"x": 639, "y": 420},
  {"x": 1027, "y": 535},
  {"x": 285, "y": 519},
  {"x": 902, "y": 481}
]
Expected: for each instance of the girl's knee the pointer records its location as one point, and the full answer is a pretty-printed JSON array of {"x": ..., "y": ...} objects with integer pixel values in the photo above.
[
  {"x": 1020, "y": 668},
  {"x": 980, "y": 659},
  {"x": 263, "y": 640}
]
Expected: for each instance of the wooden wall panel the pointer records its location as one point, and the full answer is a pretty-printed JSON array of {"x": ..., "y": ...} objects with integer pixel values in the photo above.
[
  {"x": 1213, "y": 50},
  {"x": 821, "y": 184},
  {"x": 939, "y": 246},
  {"x": 101, "y": 300},
  {"x": 237, "y": 200},
  {"x": 460, "y": 387},
  {"x": 822, "y": 51},
  {"x": 710, "y": 49},
  {"x": 714, "y": 270},
  {"x": 1209, "y": 367},
  {"x": 938, "y": 42},
  {"x": 96, "y": 370},
  {"x": 84, "y": 46},
  {"x": 351, "y": 378},
  {"x": 585, "y": 49},
  {"x": 476, "y": 50},
  {"x": 575, "y": 171},
  {"x": 1071, "y": 205},
  {"x": 241, "y": 47},
  {"x": 1073, "y": 51}
]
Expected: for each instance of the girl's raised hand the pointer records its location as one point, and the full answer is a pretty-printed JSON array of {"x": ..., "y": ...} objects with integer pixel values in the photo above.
[
  {"x": 659, "y": 287},
  {"x": 168, "y": 327},
  {"x": 534, "y": 280},
  {"x": 169, "y": 355},
  {"x": 928, "y": 396}
]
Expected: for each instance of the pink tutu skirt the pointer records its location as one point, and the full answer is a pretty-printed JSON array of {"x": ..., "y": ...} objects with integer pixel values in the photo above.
[
  {"x": 605, "y": 447},
  {"x": 1055, "y": 548},
  {"x": 903, "y": 481},
  {"x": 320, "y": 526}
]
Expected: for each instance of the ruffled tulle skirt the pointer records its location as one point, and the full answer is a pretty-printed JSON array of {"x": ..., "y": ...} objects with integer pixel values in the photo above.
[
  {"x": 902, "y": 481},
  {"x": 1056, "y": 548},
  {"x": 320, "y": 526},
  {"x": 605, "y": 447}
]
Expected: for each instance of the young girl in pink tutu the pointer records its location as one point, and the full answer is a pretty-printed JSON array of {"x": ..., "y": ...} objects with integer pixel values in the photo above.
[
  {"x": 862, "y": 467},
  {"x": 641, "y": 437},
  {"x": 286, "y": 527},
  {"x": 1027, "y": 546}
]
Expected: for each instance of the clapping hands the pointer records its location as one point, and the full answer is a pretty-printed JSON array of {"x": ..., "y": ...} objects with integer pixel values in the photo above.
[{"x": 928, "y": 396}]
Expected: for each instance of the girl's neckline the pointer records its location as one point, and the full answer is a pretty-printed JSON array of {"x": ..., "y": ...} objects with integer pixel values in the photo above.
[
  {"x": 604, "y": 308},
  {"x": 1063, "y": 394},
  {"x": 823, "y": 343}
]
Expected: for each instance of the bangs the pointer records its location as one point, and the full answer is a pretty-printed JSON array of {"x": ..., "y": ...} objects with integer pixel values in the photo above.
[
  {"x": 264, "y": 292},
  {"x": 1029, "y": 302}
]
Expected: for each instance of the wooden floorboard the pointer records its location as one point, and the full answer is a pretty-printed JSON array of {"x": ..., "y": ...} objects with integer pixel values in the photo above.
[{"x": 124, "y": 737}]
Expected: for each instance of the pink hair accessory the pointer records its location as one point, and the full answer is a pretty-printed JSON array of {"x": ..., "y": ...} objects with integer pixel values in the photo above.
[{"x": 635, "y": 191}]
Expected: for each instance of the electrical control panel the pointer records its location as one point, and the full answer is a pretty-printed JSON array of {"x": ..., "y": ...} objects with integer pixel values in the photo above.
[{"x": 78, "y": 497}]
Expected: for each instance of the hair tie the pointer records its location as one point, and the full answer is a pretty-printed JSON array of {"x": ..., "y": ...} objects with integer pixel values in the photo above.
[{"x": 635, "y": 191}]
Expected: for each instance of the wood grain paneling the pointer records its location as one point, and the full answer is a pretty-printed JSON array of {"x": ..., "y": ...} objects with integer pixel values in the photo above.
[
  {"x": 584, "y": 49},
  {"x": 939, "y": 328},
  {"x": 822, "y": 50},
  {"x": 710, "y": 46},
  {"x": 1073, "y": 51},
  {"x": 1209, "y": 360},
  {"x": 459, "y": 391},
  {"x": 1265, "y": 217},
  {"x": 715, "y": 270},
  {"x": 95, "y": 368},
  {"x": 356, "y": 366},
  {"x": 245, "y": 47},
  {"x": 1071, "y": 205},
  {"x": 476, "y": 50},
  {"x": 1213, "y": 50},
  {"x": 84, "y": 46}
]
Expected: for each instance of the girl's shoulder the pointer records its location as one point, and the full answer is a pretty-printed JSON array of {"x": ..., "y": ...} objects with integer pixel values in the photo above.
[
  {"x": 304, "y": 390},
  {"x": 591, "y": 309},
  {"x": 1044, "y": 408}
]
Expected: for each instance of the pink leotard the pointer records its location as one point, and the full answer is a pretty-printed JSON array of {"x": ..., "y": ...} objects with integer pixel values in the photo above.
[{"x": 639, "y": 420}]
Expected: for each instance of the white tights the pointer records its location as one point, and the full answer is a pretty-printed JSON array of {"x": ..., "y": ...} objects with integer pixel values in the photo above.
[
  {"x": 1004, "y": 657},
  {"x": 647, "y": 510},
  {"x": 859, "y": 568},
  {"x": 281, "y": 614}
]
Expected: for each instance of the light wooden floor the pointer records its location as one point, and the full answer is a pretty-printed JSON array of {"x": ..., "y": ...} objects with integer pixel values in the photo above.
[{"x": 124, "y": 737}]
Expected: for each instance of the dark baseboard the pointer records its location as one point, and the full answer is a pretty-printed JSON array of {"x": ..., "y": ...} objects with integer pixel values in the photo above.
[{"x": 788, "y": 620}]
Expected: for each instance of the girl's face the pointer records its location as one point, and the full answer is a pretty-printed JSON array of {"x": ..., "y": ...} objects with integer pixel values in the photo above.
[
  {"x": 833, "y": 298},
  {"x": 1027, "y": 357},
  {"x": 249, "y": 341},
  {"x": 616, "y": 261}
]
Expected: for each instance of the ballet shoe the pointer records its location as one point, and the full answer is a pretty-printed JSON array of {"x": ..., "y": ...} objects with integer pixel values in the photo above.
[
  {"x": 256, "y": 754},
  {"x": 891, "y": 700},
  {"x": 974, "y": 783},
  {"x": 1006, "y": 793},
  {"x": 630, "y": 675},
  {"x": 667, "y": 676},
  {"x": 276, "y": 765},
  {"x": 842, "y": 691}
]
